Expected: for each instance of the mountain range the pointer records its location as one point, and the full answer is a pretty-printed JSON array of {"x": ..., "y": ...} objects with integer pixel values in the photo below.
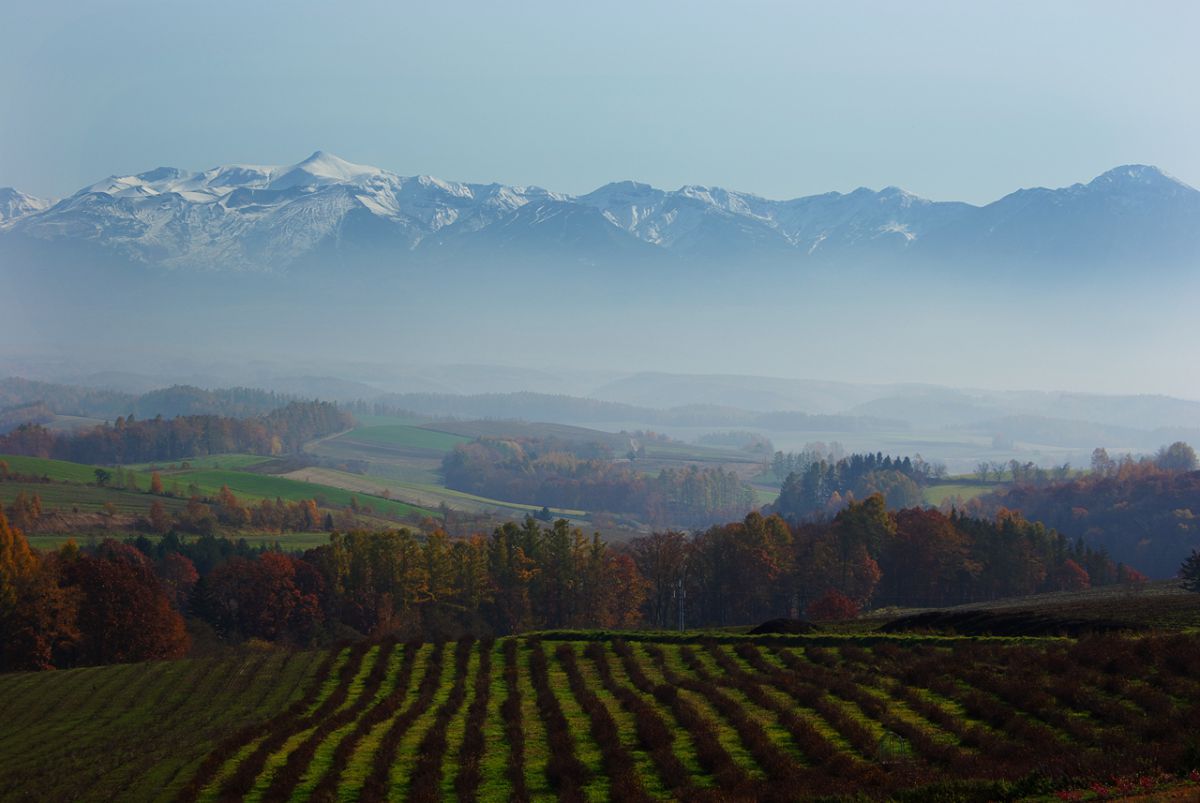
[{"x": 277, "y": 219}]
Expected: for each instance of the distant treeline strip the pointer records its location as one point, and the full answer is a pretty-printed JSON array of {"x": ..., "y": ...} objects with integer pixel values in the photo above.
[
  {"x": 168, "y": 402},
  {"x": 128, "y": 440},
  {"x": 561, "y": 409}
]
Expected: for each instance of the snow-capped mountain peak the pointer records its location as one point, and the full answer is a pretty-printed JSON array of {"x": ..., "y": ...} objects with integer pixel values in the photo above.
[
  {"x": 264, "y": 217},
  {"x": 15, "y": 204},
  {"x": 323, "y": 168}
]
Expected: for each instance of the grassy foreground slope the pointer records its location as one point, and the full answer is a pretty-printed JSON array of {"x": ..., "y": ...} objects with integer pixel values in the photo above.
[
  {"x": 643, "y": 718},
  {"x": 135, "y": 731}
]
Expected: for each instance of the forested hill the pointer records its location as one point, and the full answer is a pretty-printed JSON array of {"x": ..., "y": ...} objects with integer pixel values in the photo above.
[
  {"x": 129, "y": 440},
  {"x": 1141, "y": 513},
  {"x": 87, "y": 402}
]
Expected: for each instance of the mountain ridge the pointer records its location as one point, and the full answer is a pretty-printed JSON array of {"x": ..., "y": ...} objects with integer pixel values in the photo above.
[{"x": 272, "y": 217}]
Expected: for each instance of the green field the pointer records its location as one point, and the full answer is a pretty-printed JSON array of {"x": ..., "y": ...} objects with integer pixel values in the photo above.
[
  {"x": 64, "y": 497},
  {"x": 599, "y": 718},
  {"x": 937, "y": 494},
  {"x": 406, "y": 436},
  {"x": 248, "y": 486},
  {"x": 59, "y": 470},
  {"x": 231, "y": 460},
  {"x": 137, "y": 731},
  {"x": 70, "y": 489}
]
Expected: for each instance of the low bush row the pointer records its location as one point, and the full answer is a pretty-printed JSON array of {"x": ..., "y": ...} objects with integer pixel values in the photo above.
[
  {"x": 426, "y": 779},
  {"x": 564, "y": 770},
  {"x": 326, "y": 788},
  {"x": 466, "y": 782},
  {"x": 377, "y": 785}
]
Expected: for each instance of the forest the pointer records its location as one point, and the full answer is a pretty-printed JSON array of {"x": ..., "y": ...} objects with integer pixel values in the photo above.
[
  {"x": 1143, "y": 512},
  {"x": 125, "y": 601},
  {"x": 130, "y": 440}
]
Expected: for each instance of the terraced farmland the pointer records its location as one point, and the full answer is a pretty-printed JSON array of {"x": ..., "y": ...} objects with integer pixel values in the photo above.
[{"x": 656, "y": 718}]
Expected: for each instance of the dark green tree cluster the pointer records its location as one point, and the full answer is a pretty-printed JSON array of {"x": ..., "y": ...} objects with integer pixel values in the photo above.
[{"x": 822, "y": 487}]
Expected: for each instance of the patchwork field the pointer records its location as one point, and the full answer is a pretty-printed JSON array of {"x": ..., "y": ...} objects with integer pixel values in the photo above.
[
  {"x": 600, "y": 717},
  {"x": 72, "y": 486}
]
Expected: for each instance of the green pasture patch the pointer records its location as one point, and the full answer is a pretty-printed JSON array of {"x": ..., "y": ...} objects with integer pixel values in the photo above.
[
  {"x": 59, "y": 470},
  {"x": 405, "y": 436}
]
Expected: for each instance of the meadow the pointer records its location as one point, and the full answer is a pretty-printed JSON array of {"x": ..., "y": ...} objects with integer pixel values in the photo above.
[{"x": 649, "y": 717}]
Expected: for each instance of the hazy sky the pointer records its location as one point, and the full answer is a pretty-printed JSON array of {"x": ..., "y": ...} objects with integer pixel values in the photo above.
[{"x": 951, "y": 100}]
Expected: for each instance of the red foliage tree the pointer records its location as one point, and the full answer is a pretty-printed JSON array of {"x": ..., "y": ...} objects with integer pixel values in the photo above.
[
  {"x": 274, "y": 597},
  {"x": 832, "y": 606},
  {"x": 124, "y": 612}
]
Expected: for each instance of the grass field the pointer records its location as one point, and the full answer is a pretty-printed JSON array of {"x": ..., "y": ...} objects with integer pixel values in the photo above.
[
  {"x": 136, "y": 731},
  {"x": 938, "y": 494},
  {"x": 422, "y": 494},
  {"x": 781, "y": 718},
  {"x": 231, "y": 460},
  {"x": 70, "y": 488},
  {"x": 406, "y": 436},
  {"x": 59, "y": 470},
  {"x": 249, "y": 486}
]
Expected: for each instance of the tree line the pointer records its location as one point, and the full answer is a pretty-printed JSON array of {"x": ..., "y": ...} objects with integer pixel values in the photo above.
[
  {"x": 129, "y": 440},
  {"x": 556, "y": 474},
  {"x": 765, "y": 566},
  {"x": 127, "y": 601},
  {"x": 1145, "y": 512},
  {"x": 56, "y": 399}
]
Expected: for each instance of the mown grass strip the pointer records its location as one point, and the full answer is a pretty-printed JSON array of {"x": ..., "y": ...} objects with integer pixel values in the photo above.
[
  {"x": 373, "y": 708},
  {"x": 256, "y": 768},
  {"x": 653, "y": 733},
  {"x": 829, "y": 765},
  {"x": 727, "y": 774},
  {"x": 512, "y": 712},
  {"x": 619, "y": 765},
  {"x": 470, "y": 753},
  {"x": 213, "y": 713},
  {"x": 377, "y": 785},
  {"x": 566, "y": 773},
  {"x": 288, "y": 777},
  {"x": 228, "y": 747},
  {"x": 425, "y": 781}
]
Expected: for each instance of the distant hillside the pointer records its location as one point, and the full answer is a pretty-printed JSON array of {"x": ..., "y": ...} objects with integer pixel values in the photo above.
[{"x": 71, "y": 400}]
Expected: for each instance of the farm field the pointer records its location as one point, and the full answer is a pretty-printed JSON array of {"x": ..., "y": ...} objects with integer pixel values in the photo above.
[
  {"x": 59, "y": 470},
  {"x": 939, "y": 493},
  {"x": 73, "y": 485},
  {"x": 134, "y": 731},
  {"x": 601, "y": 717},
  {"x": 422, "y": 494}
]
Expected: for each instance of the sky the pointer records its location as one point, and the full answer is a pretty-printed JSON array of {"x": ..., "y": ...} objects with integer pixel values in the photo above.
[{"x": 950, "y": 100}]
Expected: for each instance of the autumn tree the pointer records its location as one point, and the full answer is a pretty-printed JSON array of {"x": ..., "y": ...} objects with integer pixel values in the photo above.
[
  {"x": 159, "y": 521},
  {"x": 124, "y": 612},
  {"x": 660, "y": 558},
  {"x": 832, "y": 606},
  {"x": 1179, "y": 456},
  {"x": 156, "y": 484}
]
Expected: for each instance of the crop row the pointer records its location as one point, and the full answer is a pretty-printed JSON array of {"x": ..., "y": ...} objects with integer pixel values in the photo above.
[{"x": 704, "y": 721}]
